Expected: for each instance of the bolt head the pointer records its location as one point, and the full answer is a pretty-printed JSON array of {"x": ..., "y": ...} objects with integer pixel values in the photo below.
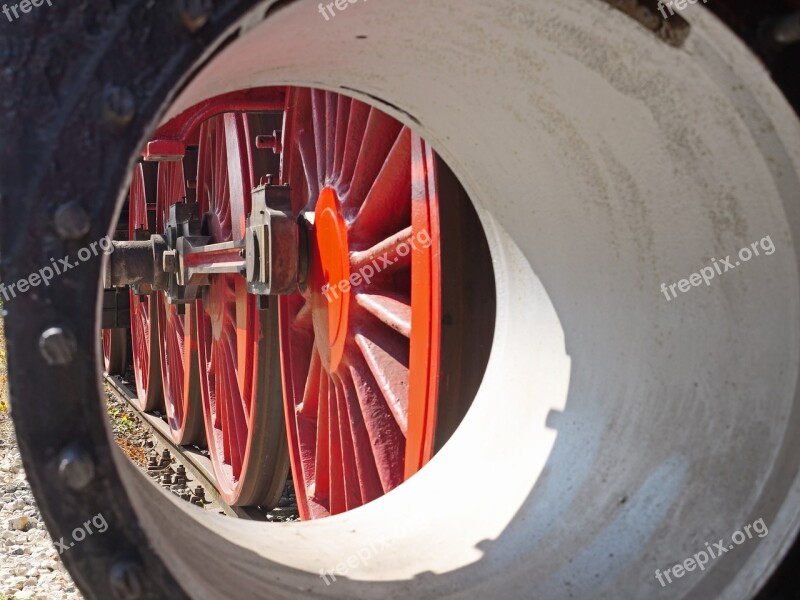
[
  {"x": 194, "y": 14},
  {"x": 58, "y": 347},
  {"x": 71, "y": 221},
  {"x": 170, "y": 261},
  {"x": 119, "y": 106},
  {"x": 76, "y": 468}
]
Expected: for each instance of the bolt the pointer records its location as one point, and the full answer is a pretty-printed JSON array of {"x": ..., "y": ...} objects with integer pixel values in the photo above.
[
  {"x": 270, "y": 142},
  {"x": 786, "y": 30},
  {"x": 58, "y": 347},
  {"x": 76, "y": 468},
  {"x": 71, "y": 221},
  {"x": 194, "y": 13},
  {"x": 119, "y": 106},
  {"x": 166, "y": 480},
  {"x": 126, "y": 581},
  {"x": 180, "y": 476},
  {"x": 170, "y": 261}
]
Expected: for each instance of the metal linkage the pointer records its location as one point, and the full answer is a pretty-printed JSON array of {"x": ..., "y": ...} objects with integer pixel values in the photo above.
[
  {"x": 172, "y": 138},
  {"x": 272, "y": 256}
]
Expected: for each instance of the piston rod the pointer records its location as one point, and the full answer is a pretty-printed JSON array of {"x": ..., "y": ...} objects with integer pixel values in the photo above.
[{"x": 272, "y": 256}]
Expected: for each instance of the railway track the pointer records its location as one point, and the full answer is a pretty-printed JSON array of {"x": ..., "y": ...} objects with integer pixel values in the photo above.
[{"x": 197, "y": 467}]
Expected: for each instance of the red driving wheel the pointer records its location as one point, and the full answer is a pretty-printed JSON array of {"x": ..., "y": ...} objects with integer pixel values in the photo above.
[
  {"x": 360, "y": 345},
  {"x": 237, "y": 342},
  {"x": 176, "y": 329},
  {"x": 144, "y": 328}
]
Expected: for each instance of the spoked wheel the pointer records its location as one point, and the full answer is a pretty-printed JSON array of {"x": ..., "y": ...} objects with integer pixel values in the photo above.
[
  {"x": 115, "y": 351},
  {"x": 360, "y": 346},
  {"x": 144, "y": 326},
  {"x": 176, "y": 330},
  {"x": 238, "y": 343}
]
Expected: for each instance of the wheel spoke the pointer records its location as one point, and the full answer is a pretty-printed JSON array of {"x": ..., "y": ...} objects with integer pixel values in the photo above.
[
  {"x": 319, "y": 113},
  {"x": 350, "y": 475},
  {"x": 321, "y": 488},
  {"x": 369, "y": 479},
  {"x": 310, "y": 404},
  {"x": 387, "y": 358},
  {"x": 386, "y": 209},
  {"x": 385, "y": 256},
  {"x": 342, "y": 119},
  {"x": 381, "y": 133},
  {"x": 337, "y": 499},
  {"x": 306, "y": 142},
  {"x": 331, "y": 109},
  {"x": 393, "y": 310},
  {"x": 356, "y": 127},
  {"x": 385, "y": 435}
]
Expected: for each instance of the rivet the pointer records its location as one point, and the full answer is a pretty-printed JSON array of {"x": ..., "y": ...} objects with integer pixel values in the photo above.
[
  {"x": 71, "y": 221},
  {"x": 786, "y": 30},
  {"x": 57, "y": 346},
  {"x": 126, "y": 581},
  {"x": 194, "y": 13},
  {"x": 119, "y": 106},
  {"x": 76, "y": 468}
]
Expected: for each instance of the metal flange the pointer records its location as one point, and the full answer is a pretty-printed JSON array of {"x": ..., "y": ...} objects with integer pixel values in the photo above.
[{"x": 94, "y": 108}]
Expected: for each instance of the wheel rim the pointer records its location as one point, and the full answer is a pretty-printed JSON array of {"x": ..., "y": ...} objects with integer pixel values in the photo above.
[
  {"x": 370, "y": 347},
  {"x": 115, "y": 342},
  {"x": 144, "y": 326},
  {"x": 106, "y": 341},
  {"x": 176, "y": 332},
  {"x": 240, "y": 382}
]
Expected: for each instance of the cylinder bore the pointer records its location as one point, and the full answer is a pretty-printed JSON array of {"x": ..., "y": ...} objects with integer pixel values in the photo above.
[
  {"x": 567, "y": 417},
  {"x": 617, "y": 430}
]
